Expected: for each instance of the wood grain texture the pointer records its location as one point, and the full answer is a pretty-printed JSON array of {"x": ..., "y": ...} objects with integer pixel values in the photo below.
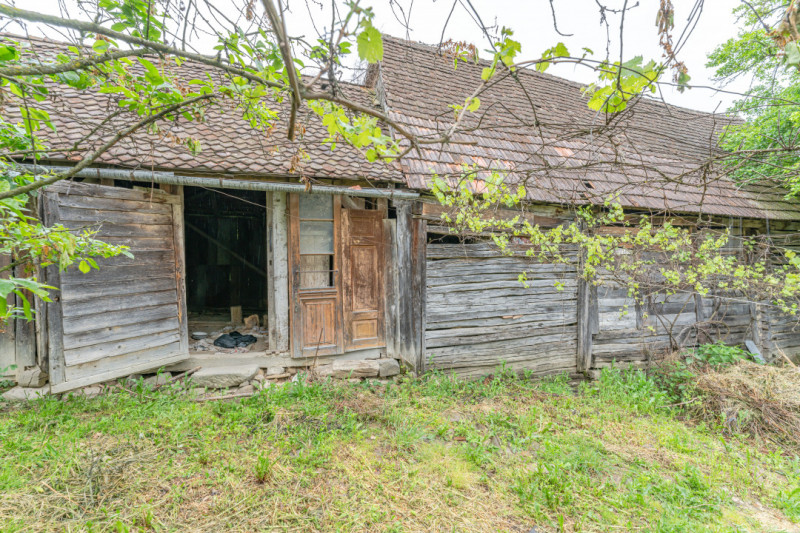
[
  {"x": 363, "y": 271},
  {"x": 479, "y": 316},
  {"x": 131, "y": 313}
]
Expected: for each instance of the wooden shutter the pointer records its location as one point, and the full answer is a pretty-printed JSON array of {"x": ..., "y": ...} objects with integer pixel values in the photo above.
[
  {"x": 362, "y": 278},
  {"x": 130, "y": 315}
]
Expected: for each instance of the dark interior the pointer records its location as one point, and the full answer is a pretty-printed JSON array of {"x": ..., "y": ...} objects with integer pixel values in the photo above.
[{"x": 226, "y": 239}]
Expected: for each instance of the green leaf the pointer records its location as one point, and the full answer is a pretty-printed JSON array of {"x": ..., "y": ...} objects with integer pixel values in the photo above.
[
  {"x": 100, "y": 46},
  {"x": 8, "y": 53},
  {"x": 474, "y": 105},
  {"x": 792, "y": 54},
  {"x": 84, "y": 267},
  {"x": 370, "y": 45}
]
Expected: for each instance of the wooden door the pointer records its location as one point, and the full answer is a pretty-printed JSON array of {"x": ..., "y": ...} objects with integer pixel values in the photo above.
[
  {"x": 130, "y": 315},
  {"x": 362, "y": 278},
  {"x": 315, "y": 280}
]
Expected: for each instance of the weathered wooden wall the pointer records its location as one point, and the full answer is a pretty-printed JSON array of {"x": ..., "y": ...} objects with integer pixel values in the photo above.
[
  {"x": 130, "y": 315},
  {"x": 479, "y": 316}
]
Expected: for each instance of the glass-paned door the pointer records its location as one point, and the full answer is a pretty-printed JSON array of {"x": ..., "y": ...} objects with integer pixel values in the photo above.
[{"x": 316, "y": 281}]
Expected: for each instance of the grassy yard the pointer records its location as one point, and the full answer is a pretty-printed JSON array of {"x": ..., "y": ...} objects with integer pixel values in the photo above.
[{"x": 433, "y": 454}]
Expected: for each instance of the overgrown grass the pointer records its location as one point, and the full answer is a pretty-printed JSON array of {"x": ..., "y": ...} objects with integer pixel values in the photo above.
[{"x": 435, "y": 454}]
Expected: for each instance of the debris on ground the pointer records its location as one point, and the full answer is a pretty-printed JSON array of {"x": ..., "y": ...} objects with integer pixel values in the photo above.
[{"x": 762, "y": 400}]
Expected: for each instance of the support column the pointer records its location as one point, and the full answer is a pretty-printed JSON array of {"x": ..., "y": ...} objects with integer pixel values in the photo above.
[{"x": 278, "y": 301}]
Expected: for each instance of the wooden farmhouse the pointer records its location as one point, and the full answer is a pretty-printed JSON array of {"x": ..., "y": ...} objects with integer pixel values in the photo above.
[{"x": 341, "y": 260}]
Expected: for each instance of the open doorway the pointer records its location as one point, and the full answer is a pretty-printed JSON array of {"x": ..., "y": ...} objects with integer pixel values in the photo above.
[{"x": 226, "y": 257}]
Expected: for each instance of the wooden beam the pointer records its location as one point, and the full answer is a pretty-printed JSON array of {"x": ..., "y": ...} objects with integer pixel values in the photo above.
[
  {"x": 279, "y": 317},
  {"x": 55, "y": 338}
]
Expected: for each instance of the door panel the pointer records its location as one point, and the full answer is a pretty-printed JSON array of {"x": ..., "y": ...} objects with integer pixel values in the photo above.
[
  {"x": 362, "y": 278},
  {"x": 315, "y": 282},
  {"x": 130, "y": 315}
]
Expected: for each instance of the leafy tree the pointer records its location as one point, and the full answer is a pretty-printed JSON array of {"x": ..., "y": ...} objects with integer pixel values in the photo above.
[{"x": 767, "y": 52}]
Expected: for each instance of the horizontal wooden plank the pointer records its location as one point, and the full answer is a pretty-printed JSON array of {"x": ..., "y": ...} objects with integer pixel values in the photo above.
[
  {"x": 448, "y": 251},
  {"x": 114, "y": 204},
  {"x": 106, "y": 350},
  {"x": 474, "y": 327},
  {"x": 509, "y": 296},
  {"x": 94, "y": 216},
  {"x": 116, "y": 332},
  {"x": 454, "y": 313},
  {"x": 81, "y": 323},
  {"x": 117, "y": 367},
  {"x": 530, "y": 285},
  {"x": 561, "y": 343},
  {"x": 72, "y": 279},
  {"x": 562, "y": 352},
  {"x": 100, "y": 306},
  {"x": 104, "y": 191},
  {"x": 138, "y": 244},
  {"x": 122, "y": 230},
  {"x": 91, "y": 291},
  {"x": 515, "y": 319},
  {"x": 498, "y": 333}
]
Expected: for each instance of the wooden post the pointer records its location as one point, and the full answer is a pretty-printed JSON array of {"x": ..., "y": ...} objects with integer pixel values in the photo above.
[
  {"x": 178, "y": 240},
  {"x": 391, "y": 288},
  {"x": 279, "y": 297},
  {"x": 55, "y": 339},
  {"x": 588, "y": 317},
  {"x": 420, "y": 245},
  {"x": 405, "y": 273},
  {"x": 8, "y": 342}
]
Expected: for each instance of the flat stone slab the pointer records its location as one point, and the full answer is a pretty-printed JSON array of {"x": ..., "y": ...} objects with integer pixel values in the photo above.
[
  {"x": 223, "y": 377},
  {"x": 21, "y": 394},
  {"x": 367, "y": 368}
]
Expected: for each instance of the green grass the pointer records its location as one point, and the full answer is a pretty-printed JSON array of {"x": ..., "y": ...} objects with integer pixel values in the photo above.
[{"x": 434, "y": 454}]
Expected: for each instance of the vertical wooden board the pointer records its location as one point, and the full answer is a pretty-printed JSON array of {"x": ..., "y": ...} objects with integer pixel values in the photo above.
[
  {"x": 419, "y": 291},
  {"x": 390, "y": 283},
  {"x": 179, "y": 240},
  {"x": 269, "y": 321},
  {"x": 8, "y": 344},
  {"x": 584, "y": 320},
  {"x": 279, "y": 323},
  {"x": 55, "y": 344},
  {"x": 404, "y": 294}
]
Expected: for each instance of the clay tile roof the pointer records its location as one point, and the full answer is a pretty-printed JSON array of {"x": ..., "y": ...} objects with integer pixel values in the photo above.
[
  {"x": 228, "y": 143},
  {"x": 539, "y": 128}
]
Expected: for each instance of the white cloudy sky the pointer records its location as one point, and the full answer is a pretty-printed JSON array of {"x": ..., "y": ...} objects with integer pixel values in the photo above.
[{"x": 532, "y": 23}]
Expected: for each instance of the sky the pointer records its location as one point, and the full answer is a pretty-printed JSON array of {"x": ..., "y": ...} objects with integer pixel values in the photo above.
[{"x": 532, "y": 23}]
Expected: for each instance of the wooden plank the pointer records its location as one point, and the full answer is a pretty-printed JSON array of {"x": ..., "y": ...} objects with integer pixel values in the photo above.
[
  {"x": 104, "y": 370},
  {"x": 116, "y": 332},
  {"x": 120, "y": 230},
  {"x": 99, "y": 216},
  {"x": 68, "y": 188},
  {"x": 179, "y": 257},
  {"x": 119, "y": 273},
  {"x": 84, "y": 323},
  {"x": 115, "y": 204},
  {"x": 105, "y": 350},
  {"x": 391, "y": 287},
  {"x": 584, "y": 327},
  {"x": 405, "y": 324},
  {"x": 8, "y": 336},
  {"x": 92, "y": 291},
  {"x": 419, "y": 296},
  {"x": 103, "y": 305},
  {"x": 55, "y": 346},
  {"x": 279, "y": 323}
]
